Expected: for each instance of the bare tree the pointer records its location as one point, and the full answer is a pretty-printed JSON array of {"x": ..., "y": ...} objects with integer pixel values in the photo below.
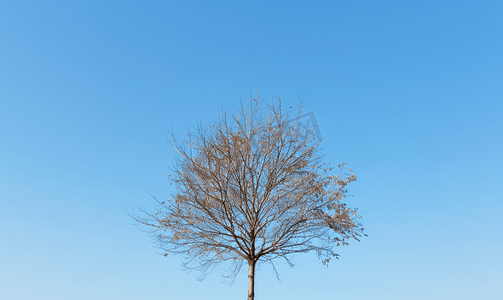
[{"x": 251, "y": 187}]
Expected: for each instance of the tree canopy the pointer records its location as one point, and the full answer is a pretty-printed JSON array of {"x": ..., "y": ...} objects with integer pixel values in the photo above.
[{"x": 252, "y": 187}]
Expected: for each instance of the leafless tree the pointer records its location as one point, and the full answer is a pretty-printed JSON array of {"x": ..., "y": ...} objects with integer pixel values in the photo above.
[{"x": 252, "y": 187}]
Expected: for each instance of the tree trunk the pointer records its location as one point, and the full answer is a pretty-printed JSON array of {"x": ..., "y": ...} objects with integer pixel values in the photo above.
[{"x": 251, "y": 280}]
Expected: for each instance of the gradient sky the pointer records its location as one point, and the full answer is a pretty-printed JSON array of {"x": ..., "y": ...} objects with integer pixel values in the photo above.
[{"x": 408, "y": 93}]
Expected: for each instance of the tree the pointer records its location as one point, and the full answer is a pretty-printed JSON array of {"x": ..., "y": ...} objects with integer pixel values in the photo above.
[{"x": 252, "y": 187}]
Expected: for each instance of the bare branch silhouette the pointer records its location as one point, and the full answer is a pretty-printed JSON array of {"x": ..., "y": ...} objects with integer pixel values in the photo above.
[{"x": 252, "y": 187}]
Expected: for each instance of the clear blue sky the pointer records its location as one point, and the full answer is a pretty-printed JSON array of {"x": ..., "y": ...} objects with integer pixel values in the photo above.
[{"x": 408, "y": 93}]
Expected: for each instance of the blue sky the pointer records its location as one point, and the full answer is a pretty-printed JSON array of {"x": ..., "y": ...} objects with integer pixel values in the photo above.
[{"x": 408, "y": 93}]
